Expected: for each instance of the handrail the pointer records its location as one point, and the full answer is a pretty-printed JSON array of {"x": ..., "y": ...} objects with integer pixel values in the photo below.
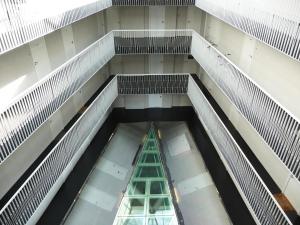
[
  {"x": 30, "y": 109},
  {"x": 26, "y": 201},
  {"x": 274, "y": 22},
  {"x": 152, "y": 41},
  {"x": 278, "y": 127}
]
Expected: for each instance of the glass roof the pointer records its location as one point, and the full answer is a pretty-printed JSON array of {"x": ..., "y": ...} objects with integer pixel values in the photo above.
[{"x": 147, "y": 200}]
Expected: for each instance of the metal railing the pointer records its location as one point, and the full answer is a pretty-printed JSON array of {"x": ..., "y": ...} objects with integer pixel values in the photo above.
[
  {"x": 33, "y": 107},
  {"x": 132, "y": 84},
  {"x": 152, "y": 41},
  {"x": 255, "y": 193},
  {"x": 275, "y": 124},
  {"x": 275, "y": 22},
  {"x": 23, "y": 21},
  {"x": 153, "y": 2},
  {"x": 25, "y": 202}
]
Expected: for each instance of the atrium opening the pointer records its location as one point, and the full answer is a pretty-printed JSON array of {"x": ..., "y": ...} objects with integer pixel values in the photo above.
[{"x": 149, "y": 112}]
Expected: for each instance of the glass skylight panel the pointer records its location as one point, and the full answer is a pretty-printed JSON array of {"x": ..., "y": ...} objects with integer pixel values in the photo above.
[{"x": 147, "y": 199}]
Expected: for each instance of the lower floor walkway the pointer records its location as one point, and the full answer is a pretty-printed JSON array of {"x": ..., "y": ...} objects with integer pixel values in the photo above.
[
  {"x": 197, "y": 196},
  {"x": 98, "y": 202}
]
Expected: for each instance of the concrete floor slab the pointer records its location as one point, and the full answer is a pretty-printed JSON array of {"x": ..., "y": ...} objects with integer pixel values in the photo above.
[
  {"x": 112, "y": 168},
  {"x": 193, "y": 184},
  {"x": 197, "y": 196}
]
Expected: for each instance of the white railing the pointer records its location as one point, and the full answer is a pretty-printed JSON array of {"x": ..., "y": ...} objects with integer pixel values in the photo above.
[
  {"x": 28, "y": 200},
  {"x": 133, "y": 84},
  {"x": 152, "y": 41},
  {"x": 255, "y": 193},
  {"x": 153, "y": 2},
  {"x": 24, "y": 21},
  {"x": 275, "y": 22},
  {"x": 275, "y": 124},
  {"x": 33, "y": 107},
  {"x": 28, "y": 203},
  {"x": 152, "y": 33}
]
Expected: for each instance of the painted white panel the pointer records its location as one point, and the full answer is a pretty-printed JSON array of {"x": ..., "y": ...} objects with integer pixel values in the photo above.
[
  {"x": 156, "y": 21},
  {"x": 167, "y": 101},
  {"x": 112, "y": 168},
  {"x": 156, "y": 64},
  {"x": 273, "y": 71}
]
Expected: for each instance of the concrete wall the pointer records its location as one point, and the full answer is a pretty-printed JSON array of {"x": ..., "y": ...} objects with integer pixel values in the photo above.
[{"x": 136, "y": 64}]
